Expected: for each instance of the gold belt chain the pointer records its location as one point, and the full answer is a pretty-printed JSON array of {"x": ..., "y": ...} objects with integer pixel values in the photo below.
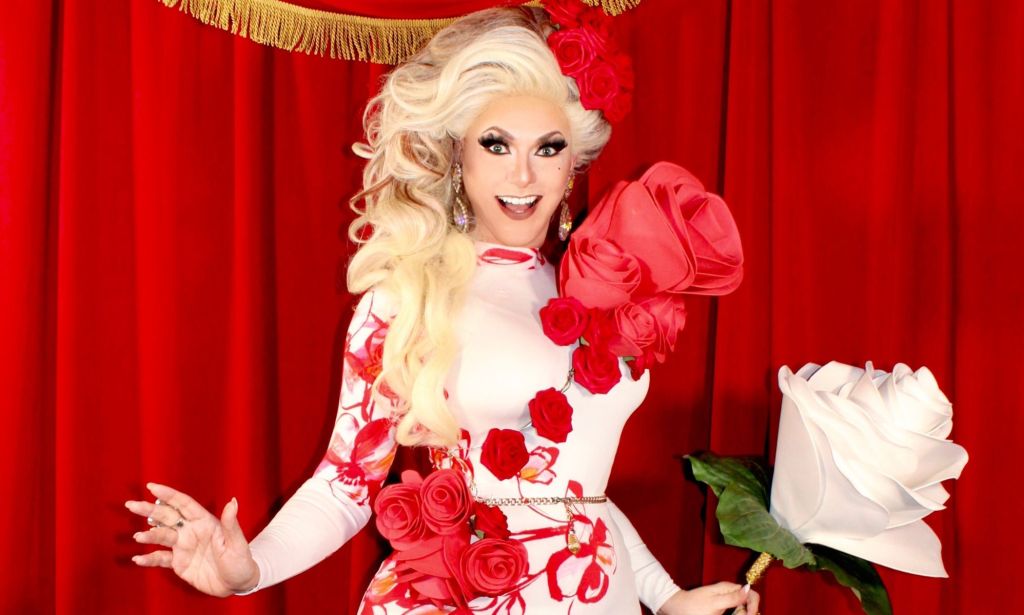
[
  {"x": 572, "y": 542},
  {"x": 589, "y": 499}
]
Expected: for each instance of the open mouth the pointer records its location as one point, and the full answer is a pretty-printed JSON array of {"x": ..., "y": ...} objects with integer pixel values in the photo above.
[{"x": 518, "y": 207}]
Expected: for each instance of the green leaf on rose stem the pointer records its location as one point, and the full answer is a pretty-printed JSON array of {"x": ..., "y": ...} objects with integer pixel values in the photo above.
[
  {"x": 743, "y": 517},
  {"x": 857, "y": 574}
]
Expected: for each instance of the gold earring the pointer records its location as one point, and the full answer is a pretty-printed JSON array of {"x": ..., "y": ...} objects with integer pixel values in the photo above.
[
  {"x": 565, "y": 216},
  {"x": 460, "y": 213}
]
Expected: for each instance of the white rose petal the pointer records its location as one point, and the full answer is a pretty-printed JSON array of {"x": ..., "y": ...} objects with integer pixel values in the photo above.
[{"x": 860, "y": 459}]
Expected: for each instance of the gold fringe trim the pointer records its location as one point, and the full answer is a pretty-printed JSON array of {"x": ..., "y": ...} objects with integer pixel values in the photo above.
[
  {"x": 337, "y": 35},
  {"x": 614, "y": 7}
]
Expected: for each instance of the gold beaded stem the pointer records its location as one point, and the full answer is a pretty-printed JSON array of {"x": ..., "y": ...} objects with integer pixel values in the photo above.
[{"x": 756, "y": 570}]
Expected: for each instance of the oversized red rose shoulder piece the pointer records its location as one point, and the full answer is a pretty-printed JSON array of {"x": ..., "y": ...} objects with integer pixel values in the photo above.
[{"x": 643, "y": 246}]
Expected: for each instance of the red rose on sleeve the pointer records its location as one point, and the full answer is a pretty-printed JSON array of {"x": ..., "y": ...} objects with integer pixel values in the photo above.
[
  {"x": 669, "y": 312},
  {"x": 445, "y": 501},
  {"x": 551, "y": 415},
  {"x": 596, "y": 369},
  {"x": 599, "y": 273},
  {"x": 706, "y": 224},
  {"x": 492, "y": 567},
  {"x": 504, "y": 453},
  {"x": 490, "y": 521},
  {"x": 637, "y": 330},
  {"x": 683, "y": 239},
  {"x": 563, "y": 320}
]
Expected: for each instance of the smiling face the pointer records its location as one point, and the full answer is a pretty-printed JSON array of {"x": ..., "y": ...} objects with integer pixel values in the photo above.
[{"x": 516, "y": 161}]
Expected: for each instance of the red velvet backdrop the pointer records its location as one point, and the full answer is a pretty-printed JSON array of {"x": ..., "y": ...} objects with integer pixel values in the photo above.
[{"x": 172, "y": 305}]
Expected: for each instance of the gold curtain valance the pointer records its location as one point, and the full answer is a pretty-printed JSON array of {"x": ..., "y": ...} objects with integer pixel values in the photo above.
[{"x": 293, "y": 27}]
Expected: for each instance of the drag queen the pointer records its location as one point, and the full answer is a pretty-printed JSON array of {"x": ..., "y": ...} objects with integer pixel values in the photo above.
[{"x": 472, "y": 149}]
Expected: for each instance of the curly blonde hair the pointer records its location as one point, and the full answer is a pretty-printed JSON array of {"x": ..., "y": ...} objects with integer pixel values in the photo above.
[{"x": 409, "y": 248}]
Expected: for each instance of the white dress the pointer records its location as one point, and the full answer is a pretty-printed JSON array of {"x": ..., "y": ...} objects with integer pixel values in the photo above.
[{"x": 504, "y": 360}]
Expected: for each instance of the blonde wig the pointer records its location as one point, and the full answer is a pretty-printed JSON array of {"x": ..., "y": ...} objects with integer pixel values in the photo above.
[{"x": 410, "y": 251}]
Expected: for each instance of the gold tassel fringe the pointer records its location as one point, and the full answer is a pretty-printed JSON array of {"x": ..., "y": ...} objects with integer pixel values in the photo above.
[{"x": 337, "y": 35}]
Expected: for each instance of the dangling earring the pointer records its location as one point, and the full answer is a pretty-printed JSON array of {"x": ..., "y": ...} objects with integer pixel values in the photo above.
[
  {"x": 565, "y": 216},
  {"x": 460, "y": 213}
]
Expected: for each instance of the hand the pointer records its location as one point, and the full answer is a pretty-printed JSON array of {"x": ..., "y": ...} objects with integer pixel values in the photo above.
[
  {"x": 210, "y": 554},
  {"x": 712, "y": 600}
]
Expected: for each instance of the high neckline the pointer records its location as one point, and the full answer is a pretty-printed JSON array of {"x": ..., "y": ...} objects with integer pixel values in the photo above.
[{"x": 511, "y": 257}]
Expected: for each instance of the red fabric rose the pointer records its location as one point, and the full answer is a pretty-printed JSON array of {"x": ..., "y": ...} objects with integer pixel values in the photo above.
[
  {"x": 492, "y": 567},
  {"x": 669, "y": 312},
  {"x": 574, "y": 49},
  {"x": 564, "y": 12},
  {"x": 596, "y": 369},
  {"x": 563, "y": 320},
  {"x": 551, "y": 415},
  {"x": 684, "y": 238},
  {"x": 599, "y": 273},
  {"x": 601, "y": 331},
  {"x": 490, "y": 521},
  {"x": 599, "y": 87},
  {"x": 640, "y": 364},
  {"x": 445, "y": 501},
  {"x": 398, "y": 513},
  {"x": 504, "y": 453},
  {"x": 637, "y": 329},
  {"x": 706, "y": 223}
]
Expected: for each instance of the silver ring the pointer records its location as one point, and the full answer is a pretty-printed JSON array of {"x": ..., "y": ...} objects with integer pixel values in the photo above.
[
  {"x": 180, "y": 523},
  {"x": 158, "y": 502},
  {"x": 152, "y": 522}
]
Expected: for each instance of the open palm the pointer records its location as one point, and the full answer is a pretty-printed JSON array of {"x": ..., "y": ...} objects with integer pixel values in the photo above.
[{"x": 210, "y": 554}]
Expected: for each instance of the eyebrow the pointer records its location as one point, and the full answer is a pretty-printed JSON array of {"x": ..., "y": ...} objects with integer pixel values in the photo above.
[{"x": 541, "y": 139}]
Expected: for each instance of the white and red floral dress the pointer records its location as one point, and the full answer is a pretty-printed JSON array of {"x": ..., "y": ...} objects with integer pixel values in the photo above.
[{"x": 505, "y": 359}]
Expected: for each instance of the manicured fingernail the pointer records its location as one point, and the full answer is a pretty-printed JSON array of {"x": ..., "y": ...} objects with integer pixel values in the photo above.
[
  {"x": 135, "y": 559},
  {"x": 746, "y": 588}
]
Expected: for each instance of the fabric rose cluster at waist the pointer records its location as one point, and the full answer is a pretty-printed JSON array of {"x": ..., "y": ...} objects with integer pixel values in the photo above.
[
  {"x": 448, "y": 548},
  {"x": 626, "y": 268}
]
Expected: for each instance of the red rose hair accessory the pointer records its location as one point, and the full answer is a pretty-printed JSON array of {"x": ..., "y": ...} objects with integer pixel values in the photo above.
[{"x": 585, "y": 51}]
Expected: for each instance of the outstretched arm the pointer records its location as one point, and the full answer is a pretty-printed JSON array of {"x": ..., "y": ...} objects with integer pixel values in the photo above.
[
  {"x": 212, "y": 554},
  {"x": 334, "y": 505},
  {"x": 659, "y": 593}
]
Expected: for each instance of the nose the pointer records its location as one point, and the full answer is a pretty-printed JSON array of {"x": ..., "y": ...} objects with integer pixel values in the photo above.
[{"x": 522, "y": 170}]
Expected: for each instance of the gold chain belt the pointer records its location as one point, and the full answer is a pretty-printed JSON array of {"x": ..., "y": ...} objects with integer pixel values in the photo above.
[
  {"x": 572, "y": 542},
  {"x": 589, "y": 499}
]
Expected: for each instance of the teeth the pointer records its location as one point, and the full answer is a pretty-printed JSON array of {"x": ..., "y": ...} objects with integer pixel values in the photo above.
[{"x": 518, "y": 200}]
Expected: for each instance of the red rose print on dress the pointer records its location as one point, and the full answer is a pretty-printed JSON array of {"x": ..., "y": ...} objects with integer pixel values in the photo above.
[
  {"x": 358, "y": 457},
  {"x": 538, "y": 467},
  {"x": 586, "y": 574}
]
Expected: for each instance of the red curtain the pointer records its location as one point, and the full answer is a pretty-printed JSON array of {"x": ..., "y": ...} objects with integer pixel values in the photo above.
[{"x": 172, "y": 255}]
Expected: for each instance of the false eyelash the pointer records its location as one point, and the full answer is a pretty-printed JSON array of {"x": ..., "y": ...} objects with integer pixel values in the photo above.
[
  {"x": 489, "y": 140},
  {"x": 556, "y": 144}
]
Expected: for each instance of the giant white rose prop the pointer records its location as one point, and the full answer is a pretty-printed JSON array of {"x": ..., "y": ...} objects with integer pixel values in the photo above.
[{"x": 860, "y": 458}]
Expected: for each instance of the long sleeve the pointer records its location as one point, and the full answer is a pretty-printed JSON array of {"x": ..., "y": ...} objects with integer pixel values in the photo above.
[
  {"x": 334, "y": 504},
  {"x": 653, "y": 583}
]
